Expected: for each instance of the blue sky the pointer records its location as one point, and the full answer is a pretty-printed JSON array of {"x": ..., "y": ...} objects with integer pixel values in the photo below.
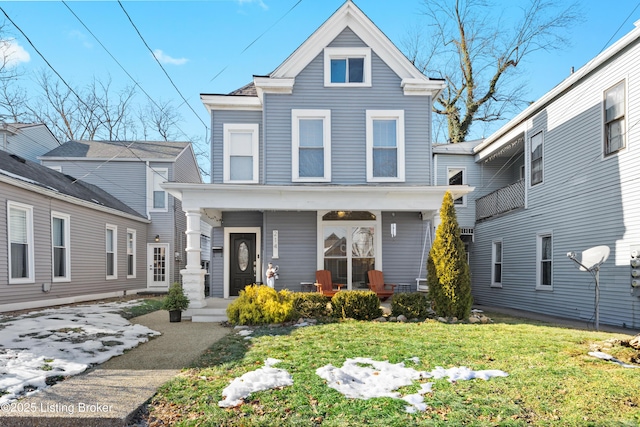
[{"x": 204, "y": 44}]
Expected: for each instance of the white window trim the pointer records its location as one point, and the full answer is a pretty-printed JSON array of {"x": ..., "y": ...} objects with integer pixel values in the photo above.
[
  {"x": 151, "y": 174},
  {"x": 495, "y": 284},
  {"x": 57, "y": 168},
  {"x": 377, "y": 224},
  {"x": 397, "y": 115},
  {"x": 135, "y": 253},
  {"x": 624, "y": 149},
  {"x": 539, "y": 286},
  {"x": 531, "y": 183},
  {"x": 325, "y": 116},
  {"x": 115, "y": 250},
  {"x": 67, "y": 239},
  {"x": 344, "y": 53},
  {"x": 228, "y": 129},
  {"x": 464, "y": 182},
  {"x": 31, "y": 250}
]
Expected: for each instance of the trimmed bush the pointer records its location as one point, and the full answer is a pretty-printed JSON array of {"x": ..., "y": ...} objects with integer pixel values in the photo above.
[
  {"x": 448, "y": 273},
  {"x": 412, "y": 305},
  {"x": 311, "y": 304},
  {"x": 261, "y": 305},
  {"x": 359, "y": 305}
]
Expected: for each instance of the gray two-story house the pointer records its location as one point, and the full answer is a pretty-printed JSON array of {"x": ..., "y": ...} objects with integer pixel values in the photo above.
[{"x": 323, "y": 164}]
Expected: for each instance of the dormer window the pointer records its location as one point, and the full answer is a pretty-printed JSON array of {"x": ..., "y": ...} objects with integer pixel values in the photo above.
[{"x": 347, "y": 66}]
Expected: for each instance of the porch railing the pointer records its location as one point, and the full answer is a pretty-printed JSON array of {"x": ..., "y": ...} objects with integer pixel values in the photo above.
[{"x": 500, "y": 201}]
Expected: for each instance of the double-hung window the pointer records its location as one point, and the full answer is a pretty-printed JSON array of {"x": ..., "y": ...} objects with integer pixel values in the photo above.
[
  {"x": 131, "y": 253},
  {"x": 544, "y": 261},
  {"x": 614, "y": 120},
  {"x": 157, "y": 197},
  {"x": 536, "y": 158},
  {"x": 20, "y": 239},
  {"x": 241, "y": 144},
  {"x": 385, "y": 145},
  {"x": 311, "y": 145},
  {"x": 60, "y": 247},
  {"x": 456, "y": 176},
  {"x": 111, "y": 247},
  {"x": 347, "y": 66},
  {"x": 496, "y": 262}
]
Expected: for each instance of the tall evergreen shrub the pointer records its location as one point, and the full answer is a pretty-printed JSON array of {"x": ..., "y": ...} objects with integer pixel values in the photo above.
[{"x": 448, "y": 274}]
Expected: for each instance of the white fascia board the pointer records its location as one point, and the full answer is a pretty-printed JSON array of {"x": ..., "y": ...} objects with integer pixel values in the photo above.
[
  {"x": 70, "y": 199},
  {"x": 107, "y": 159},
  {"x": 501, "y": 142},
  {"x": 312, "y": 197},
  {"x": 349, "y": 15},
  {"x": 231, "y": 102},
  {"x": 273, "y": 85},
  {"x": 420, "y": 87},
  {"x": 565, "y": 85}
]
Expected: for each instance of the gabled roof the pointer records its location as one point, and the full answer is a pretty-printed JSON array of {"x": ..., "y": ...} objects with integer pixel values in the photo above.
[
  {"x": 516, "y": 125},
  {"x": 282, "y": 79},
  {"x": 132, "y": 150},
  {"x": 32, "y": 176}
]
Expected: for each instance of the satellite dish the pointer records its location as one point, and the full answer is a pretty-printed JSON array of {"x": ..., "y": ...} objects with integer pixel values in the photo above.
[{"x": 594, "y": 257}]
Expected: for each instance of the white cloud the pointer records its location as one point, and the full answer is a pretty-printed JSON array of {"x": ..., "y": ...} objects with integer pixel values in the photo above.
[
  {"x": 12, "y": 53},
  {"x": 166, "y": 59},
  {"x": 75, "y": 34},
  {"x": 258, "y": 2}
]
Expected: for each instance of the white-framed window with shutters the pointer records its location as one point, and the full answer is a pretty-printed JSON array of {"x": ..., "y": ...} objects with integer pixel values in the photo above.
[
  {"x": 347, "y": 66},
  {"x": 311, "y": 145},
  {"x": 111, "y": 248},
  {"x": 385, "y": 145},
  {"x": 496, "y": 264},
  {"x": 614, "y": 118},
  {"x": 131, "y": 253},
  {"x": 157, "y": 198},
  {"x": 60, "y": 247},
  {"x": 240, "y": 150},
  {"x": 20, "y": 242}
]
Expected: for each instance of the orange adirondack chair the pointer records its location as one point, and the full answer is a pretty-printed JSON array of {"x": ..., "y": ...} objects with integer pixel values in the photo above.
[
  {"x": 377, "y": 285},
  {"x": 325, "y": 284}
]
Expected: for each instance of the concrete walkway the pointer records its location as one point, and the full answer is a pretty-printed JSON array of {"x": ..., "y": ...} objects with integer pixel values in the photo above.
[{"x": 112, "y": 393}]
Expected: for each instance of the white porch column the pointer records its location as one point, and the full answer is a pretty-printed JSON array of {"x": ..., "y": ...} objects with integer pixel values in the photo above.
[{"x": 193, "y": 274}]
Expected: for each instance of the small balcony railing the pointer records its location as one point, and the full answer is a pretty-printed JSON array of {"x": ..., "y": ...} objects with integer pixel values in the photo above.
[{"x": 500, "y": 201}]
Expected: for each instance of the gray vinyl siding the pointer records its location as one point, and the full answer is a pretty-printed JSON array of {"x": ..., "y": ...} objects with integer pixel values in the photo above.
[
  {"x": 186, "y": 168},
  {"x": 402, "y": 255},
  {"x": 86, "y": 249},
  {"x": 164, "y": 225},
  {"x": 219, "y": 118},
  {"x": 466, "y": 215},
  {"x": 585, "y": 200},
  {"x": 29, "y": 143},
  {"x": 348, "y": 120},
  {"x": 126, "y": 181},
  {"x": 298, "y": 242},
  {"x": 217, "y": 263}
]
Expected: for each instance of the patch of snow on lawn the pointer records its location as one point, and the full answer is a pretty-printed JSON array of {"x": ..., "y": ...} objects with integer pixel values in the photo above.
[
  {"x": 264, "y": 378},
  {"x": 364, "y": 378},
  {"x": 62, "y": 342}
]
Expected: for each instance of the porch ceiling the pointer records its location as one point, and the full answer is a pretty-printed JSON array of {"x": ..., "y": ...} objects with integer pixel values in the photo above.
[{"x": 311, "y": 197}]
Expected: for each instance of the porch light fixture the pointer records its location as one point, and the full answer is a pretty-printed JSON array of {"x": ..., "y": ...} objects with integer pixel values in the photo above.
[{"x": 157, "y": 239}]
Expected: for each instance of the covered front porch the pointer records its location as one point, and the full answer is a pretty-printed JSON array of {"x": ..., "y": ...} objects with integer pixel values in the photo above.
[{"x": 345, "y": 229}]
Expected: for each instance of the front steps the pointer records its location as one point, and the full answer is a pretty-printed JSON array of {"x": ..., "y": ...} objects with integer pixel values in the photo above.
[{"x": 214, "y": 311}]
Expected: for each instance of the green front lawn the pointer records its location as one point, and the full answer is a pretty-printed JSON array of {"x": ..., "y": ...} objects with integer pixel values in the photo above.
[{"x": 552, "y": 380}]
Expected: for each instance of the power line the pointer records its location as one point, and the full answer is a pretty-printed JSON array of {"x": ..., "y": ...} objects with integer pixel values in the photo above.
[{"x": 159, "y": 64}]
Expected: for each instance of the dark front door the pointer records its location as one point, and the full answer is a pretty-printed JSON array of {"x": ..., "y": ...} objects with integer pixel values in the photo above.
[{"x": 242, "y": 268}]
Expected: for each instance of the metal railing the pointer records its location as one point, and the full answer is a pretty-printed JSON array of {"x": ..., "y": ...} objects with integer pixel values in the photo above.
[{"x": 500, "y": 201}]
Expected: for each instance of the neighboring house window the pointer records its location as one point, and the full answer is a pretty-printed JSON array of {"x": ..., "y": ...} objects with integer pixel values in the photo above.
[
  {"x": 112, "y": 251},
  {"x": 20, "y": 237},
  {"x": 536, "y": 159},
  {"x": 385, "y": 145},
  {"x": 544, "y": 261},
  {"x": 347, "y": 66},
  {"x": 60, "y": 237},
  {"x": 131, "y": 253},
  {"x": 614, "y": 120},
  {"x": 457, "y": 177},
  {"x": 496, "y": 262},
  {"x": 241, "y": 153},
  {"x": 157, "y": 196},
  {"x": 311, "y": 145}
]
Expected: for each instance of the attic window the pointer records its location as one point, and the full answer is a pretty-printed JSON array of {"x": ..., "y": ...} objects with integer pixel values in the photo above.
[{"x": 347, "y": 66}]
